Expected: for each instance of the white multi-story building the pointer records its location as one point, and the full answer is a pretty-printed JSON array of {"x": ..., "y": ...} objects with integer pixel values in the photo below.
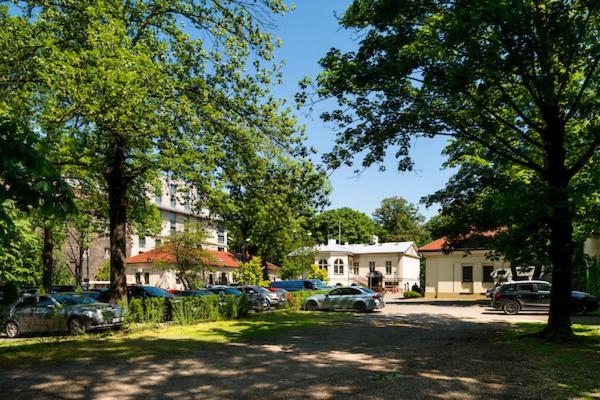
[
  {"x": 392, "y": 264},
  {"x": 174, "y": 203}
]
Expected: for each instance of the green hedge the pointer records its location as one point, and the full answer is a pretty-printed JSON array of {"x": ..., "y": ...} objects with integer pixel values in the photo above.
[
  {"x": 186, "y": 310},
  {"x": 411, "y": 294},
  {"x": 297, "y": 298}
]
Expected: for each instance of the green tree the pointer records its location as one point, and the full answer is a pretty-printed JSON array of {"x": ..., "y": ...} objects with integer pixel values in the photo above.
[
  {"x": 103, "y": 273},
  {"x": 317, "y": 273},
  {"x": 343, "y": 224},
  {"x": 400, "y": 221},
  {"x": 132, "y": 93},
  {"x": 516, "y": 78},
  {"x": 190, "y": 259},
  {"x": 250, "y": 272},
  {"x": 268, "y": 202}
]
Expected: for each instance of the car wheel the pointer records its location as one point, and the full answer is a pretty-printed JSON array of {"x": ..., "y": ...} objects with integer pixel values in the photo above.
[
  {"x": 360, "y": 307},
  {"x": 312, "y": 306},
  {"x": 510, "y": 307},
  {"x": 76, "y": 326},
  {"x": 11, "y": 329}
]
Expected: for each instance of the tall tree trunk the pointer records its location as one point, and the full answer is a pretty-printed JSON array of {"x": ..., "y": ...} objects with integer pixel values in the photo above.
[
  {"x": 561, "y": 234},
  {"x": 117, "y": 199},
  {"x": 47, "y": 258}
]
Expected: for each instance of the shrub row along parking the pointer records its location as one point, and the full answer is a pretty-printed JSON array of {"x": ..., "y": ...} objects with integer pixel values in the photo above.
[
  {"x": 297, "y": 298},
  {"x": 186, "y": 310}
]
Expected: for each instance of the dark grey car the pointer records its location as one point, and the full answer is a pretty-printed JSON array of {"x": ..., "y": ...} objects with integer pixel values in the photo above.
[{"x": 58, "y": 313}]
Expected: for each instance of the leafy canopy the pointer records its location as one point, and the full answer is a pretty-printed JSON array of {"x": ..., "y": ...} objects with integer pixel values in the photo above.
[{"x": 354, "y": 226}]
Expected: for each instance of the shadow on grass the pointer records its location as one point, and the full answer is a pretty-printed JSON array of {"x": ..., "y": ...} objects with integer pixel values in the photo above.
[{"x": 312, "y": 355}]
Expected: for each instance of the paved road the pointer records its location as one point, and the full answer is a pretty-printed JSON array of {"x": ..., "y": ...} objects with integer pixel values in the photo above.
[{"x": 409, "y": 351}]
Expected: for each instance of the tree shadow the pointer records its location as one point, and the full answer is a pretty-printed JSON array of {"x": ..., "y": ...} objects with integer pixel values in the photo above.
[{"x": 367, "y": 356}]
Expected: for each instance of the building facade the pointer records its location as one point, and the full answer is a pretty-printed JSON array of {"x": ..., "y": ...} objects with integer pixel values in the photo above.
[
  {"x": 460, "y": 274},
  {"x": 377, "y": 265}
]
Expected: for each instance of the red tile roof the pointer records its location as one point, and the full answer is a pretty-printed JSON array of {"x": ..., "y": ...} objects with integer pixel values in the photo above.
[
  {"x": 436, "y": 245},
  {"x": 443, "y": 244},
  {"x": 215, "y": 258}
]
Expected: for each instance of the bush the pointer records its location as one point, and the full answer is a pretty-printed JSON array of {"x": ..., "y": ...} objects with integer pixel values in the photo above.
[
  {"x": 297, "y": 298},
  {"x": 151, "y": 310},
  {"x": 186, "y": 310},
  {"x": 411, "y": 294}
]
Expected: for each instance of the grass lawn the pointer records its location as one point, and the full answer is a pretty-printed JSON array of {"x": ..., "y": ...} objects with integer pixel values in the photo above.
[
  {"x": 572, "y": 366},
  {"x": 144, "y": 341}
]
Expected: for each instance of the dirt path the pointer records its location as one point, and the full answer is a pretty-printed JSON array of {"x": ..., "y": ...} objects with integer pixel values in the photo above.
[{"x": 392, "y": 355}]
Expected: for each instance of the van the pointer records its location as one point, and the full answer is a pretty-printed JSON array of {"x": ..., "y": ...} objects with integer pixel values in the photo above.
[{"x": 300, "y": 284}]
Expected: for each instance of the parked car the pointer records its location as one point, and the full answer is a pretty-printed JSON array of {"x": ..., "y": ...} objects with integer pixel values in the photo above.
[
  {"x": 139, "y": 292},
  {"x": 355, "y": 298},
  {"x": 257, "y": 303},
  {"x": 94, "y": 294},
  {"x": 193, "y": 293},
  {"x": 75, "y": 314},
  {"x": 287, "y": 294},
  {"x": 300, "y": 284},
  {"x": 275, "y": 299},
  {"x": 514, "y": 297}
]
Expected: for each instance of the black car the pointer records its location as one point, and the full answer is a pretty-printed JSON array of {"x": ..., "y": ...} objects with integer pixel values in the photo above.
[{"x": 535, "y": 296}]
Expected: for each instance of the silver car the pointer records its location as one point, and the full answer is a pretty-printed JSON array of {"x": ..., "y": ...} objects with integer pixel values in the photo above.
[
  {"x": 355, "y": 298},
  {"x": 71, "y": 313}
]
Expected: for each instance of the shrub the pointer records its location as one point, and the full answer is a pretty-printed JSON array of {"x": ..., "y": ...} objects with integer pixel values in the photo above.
[
  {"x": 411, "y": 294},
  {"x": 297, "y": 298},
  {"x": 186, "y": 310},
  {"x": 151, "y": 310}
]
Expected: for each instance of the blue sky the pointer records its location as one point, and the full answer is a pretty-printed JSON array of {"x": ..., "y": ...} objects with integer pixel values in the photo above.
[{"x": 308, "y": 33}]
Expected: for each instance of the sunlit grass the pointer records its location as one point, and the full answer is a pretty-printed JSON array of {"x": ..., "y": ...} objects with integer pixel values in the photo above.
[
  {"x": 575, "y": 363},
  {"x": 148, "y": 341}
]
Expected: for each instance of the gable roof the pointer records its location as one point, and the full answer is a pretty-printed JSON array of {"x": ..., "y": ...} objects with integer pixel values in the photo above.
[
  {"x": 443, "y": 244},
  {"x": 215, "y": 259}
]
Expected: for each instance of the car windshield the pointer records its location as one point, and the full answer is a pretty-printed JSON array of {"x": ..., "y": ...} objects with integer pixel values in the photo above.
[
  {"x": 157, "y": 292},
  {"x": 366, "y": 290},
  {"x": 232, "y": 291},
  {"x": 73, "y": 300},
  {"x": 260, "y": 289},
  {"x": 319, "y": 285}
]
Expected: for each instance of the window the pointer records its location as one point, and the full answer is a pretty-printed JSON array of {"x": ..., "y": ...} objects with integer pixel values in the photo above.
[
  {"x": 220, "y": 248},
  {"x": 487, "y": 273},
  {"x": 371, "y": 266},
  {"x": 322, "y": 263},
  {"x": 158, "y": 198},
  {"x": 106, "y": 252},
  {"x": 173, "y": 223},
  {"x": 142, "y": 242},
  {"x": 338, "y": 266},
  {"x": 388, "y": 267},
  {"x": 186, "y": 204},
  {"x": 355, "y": 268},
  {"x": 45, "y": 301},
  {"x": 336, "y": 292},
  {"x": 158, "y": 242},
  {"x": 467, "y": 273},
  {"x": 221, "y": 238},
  {"x": 173, "y": 196},
  {"x": 138, "y": 278},
  {"x": 524, "y": 287},
  {"x": 543, "y": 287},
  {"x": 146, "y": 278}
]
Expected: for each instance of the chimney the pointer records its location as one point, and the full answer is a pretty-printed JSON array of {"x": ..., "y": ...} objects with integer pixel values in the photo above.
[
  {"x": 374, "y": 239},
  {"x": 331, "y": 242}
]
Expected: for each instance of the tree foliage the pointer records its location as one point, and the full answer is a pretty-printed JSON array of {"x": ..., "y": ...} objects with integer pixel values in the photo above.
[
  {"x": 517, "y": 79},
  {"x": 345, "y": 224},
  {"x": 400, "y": 221},
  {"x": 317, "y": 273},
  {"x": 250, "y": 272},
  {"x": 128, "y": 90}
]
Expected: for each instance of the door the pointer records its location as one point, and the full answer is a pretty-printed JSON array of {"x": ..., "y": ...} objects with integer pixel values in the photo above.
[
  {"x": 349, "y": 296},
  {"x": 543, "y": 295},
  {"x": 332, "y": 300},
  {"x": 23, "y": 313},
  {"x": 526, "y": 294},
  {"x": 47, "y": 317}
]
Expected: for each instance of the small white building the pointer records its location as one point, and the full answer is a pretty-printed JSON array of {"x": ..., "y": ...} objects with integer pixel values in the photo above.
[{"x": 393, "y": 264}]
